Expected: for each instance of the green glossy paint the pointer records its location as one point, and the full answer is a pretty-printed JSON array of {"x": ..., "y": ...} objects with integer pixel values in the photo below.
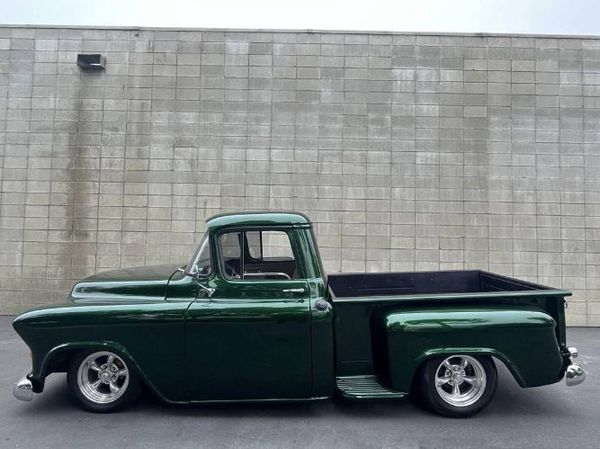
[
  {"x": 286, "y": 339},
  {"x": 150, "y": 334},
  {"x": 413, "y": 335},
  {"x": 129, "y": 284}
]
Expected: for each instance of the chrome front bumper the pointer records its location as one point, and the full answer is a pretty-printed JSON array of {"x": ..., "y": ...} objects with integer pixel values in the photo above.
[
  {"x": 23, "y": 389},
  {"x": 575, "y": 373}
]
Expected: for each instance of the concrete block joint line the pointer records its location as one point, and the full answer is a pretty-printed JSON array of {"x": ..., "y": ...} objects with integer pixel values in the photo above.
[{"x": 409, "y": 151}]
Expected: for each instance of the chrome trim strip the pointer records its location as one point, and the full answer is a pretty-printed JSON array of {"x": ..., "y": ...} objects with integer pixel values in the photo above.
[{"x": 448, "y": 296}]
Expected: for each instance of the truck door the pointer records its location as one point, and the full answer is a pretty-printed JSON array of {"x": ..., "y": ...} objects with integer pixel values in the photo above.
[{"x": 251, "y": 338}]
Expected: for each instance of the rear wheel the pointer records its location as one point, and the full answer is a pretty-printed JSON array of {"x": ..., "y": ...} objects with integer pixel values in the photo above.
[
  {"x": 458, "y": 385},
  {"x": 102, "y": 381}
]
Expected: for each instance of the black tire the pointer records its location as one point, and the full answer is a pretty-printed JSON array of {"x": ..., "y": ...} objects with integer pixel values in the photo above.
[
  {"x": 130, "y": 383},
  {"x": 480, "y": 387}
]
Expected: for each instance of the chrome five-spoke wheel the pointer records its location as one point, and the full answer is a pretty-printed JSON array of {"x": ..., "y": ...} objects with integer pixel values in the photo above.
[
  {"x": 103, "y": 377},
  {"x": 457, "y": 385},
  {"x": 101, "y": 381},
  {"x": 460, "y": 380}
]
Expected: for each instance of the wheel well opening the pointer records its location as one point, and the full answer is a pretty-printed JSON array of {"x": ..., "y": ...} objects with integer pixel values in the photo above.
[
  {"x": 417, "y": 374},
  {"x": 59, "y": 363}
]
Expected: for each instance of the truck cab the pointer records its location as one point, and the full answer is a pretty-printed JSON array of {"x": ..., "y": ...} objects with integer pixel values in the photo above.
[{"x": 261, "y": 311}]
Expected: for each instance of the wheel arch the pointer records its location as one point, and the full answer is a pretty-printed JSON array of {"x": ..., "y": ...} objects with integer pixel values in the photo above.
[
  {"x": 490, "y": 352},
  {"x": 61, "y": 355}
]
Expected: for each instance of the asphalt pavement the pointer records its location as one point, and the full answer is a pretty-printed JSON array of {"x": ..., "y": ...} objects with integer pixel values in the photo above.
[{"x": 554, "y": 416}]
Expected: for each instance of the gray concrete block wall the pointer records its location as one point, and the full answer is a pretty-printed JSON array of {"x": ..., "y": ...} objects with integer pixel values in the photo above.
[{"x": 410, "y": 152}]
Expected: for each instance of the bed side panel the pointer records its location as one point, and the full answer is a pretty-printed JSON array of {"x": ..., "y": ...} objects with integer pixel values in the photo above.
[{"x": 524, "y": 340}]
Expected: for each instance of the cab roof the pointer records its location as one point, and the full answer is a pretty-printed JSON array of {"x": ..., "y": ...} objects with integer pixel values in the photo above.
[{"x": 270, "y": 218}]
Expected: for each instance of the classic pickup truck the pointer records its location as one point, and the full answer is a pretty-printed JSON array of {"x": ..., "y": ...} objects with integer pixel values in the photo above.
[{"x": 253, "y": 317}]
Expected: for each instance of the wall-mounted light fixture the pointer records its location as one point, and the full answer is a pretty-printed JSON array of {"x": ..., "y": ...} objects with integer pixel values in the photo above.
[{"x": 92, "y": 62}]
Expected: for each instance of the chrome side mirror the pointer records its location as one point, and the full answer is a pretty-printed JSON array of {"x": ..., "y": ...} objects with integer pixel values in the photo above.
[{"x": 193, "y": 272}]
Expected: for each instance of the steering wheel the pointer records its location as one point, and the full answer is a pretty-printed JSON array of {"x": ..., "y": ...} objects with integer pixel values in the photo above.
[{"x": 230, "y": 271}]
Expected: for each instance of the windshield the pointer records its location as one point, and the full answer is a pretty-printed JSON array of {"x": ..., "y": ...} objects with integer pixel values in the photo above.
[{"x": 200, "y": 263}]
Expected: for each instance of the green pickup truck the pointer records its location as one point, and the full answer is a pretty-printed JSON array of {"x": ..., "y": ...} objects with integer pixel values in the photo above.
[{"x": 253, "y": 317}]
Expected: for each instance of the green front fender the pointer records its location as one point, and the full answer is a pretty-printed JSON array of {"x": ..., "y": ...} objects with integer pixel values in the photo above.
[
  {"x": 41, "y": 366},
  {"x": 149, "y": 335},
  {"x": 523, "y": 339}
]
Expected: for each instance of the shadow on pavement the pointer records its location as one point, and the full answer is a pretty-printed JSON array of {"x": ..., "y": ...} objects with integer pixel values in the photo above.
[{"x": 510, "y": 400}]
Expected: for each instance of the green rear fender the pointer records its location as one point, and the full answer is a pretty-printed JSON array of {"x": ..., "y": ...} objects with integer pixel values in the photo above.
[{"x": 524, "y": 340}]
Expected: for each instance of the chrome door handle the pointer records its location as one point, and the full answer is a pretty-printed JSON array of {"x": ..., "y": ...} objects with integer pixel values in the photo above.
[{"x": 293, "y": 290}]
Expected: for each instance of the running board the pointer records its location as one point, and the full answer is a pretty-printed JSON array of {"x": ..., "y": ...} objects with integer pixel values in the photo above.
[{"x": 365, "y": 387}]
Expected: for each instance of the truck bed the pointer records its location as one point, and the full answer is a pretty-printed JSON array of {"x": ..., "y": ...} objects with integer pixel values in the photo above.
[
  {"x": 361, "y": 300},
  {"x": 469, "y": 283}
]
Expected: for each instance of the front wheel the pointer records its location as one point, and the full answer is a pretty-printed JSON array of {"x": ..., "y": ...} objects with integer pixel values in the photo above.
[
  {"x": 102, "y": 381},
  {"x": 458, "y": 385}
]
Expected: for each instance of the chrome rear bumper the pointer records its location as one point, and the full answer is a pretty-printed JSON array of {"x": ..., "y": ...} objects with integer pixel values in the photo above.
[
  {"x": 23, "y": 389},
  {"x": 575, "y": 373}
]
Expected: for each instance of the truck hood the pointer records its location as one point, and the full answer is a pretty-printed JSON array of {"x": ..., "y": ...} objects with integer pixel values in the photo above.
[{"x": 125, "y": 285}]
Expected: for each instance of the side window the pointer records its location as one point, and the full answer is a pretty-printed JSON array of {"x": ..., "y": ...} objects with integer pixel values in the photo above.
[
  {"x": 258, "y": 255},
  {"x": 230, "y": 247}
]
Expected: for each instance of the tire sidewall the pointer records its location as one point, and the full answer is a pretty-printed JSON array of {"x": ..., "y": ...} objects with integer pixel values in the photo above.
[
  {"x": 434, "y": 402},
  {"x": 131, "y": 393}
]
